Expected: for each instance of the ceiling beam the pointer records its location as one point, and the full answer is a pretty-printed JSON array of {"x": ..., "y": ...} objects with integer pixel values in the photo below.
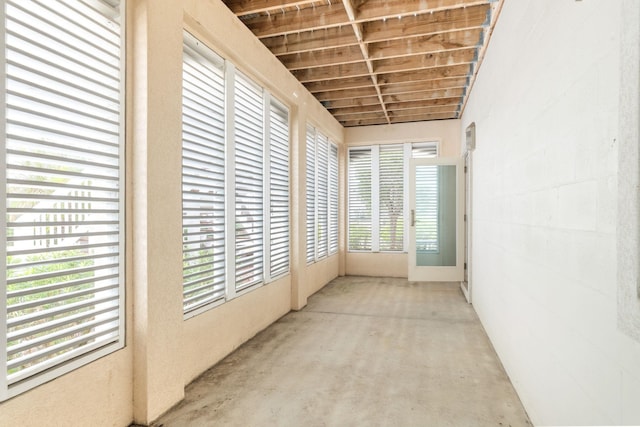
[
  {"x": 296, "y": 21},
  {"x": 311, "y": 40},
  {"x": 429, "y": 74},
  {"x": 340, "y": 112},
  {"x": 249, "y": 7},
  {"x": 424, "y": 117},
  {"x": 345, "y": 94},
  {"x": 364, "y": 122},
  {"x": 425, "y": 24},
  {"x": 358, "y": 69},
  {"x": 332, "y": 72},
  {"x": 429, "y": 60},
  {"x": 322, "y": 58},
  {"x": 422, "y": 95},
  {"x": 351, "y": 102},
  {"x": 409, "y": 87},
  {"x": 426, "y": 103},
  {"x": 426, "y": 44},
  {"x": 338, "y": 85},
  {"x": 388, "y": 9},
  {"x": 450, "y": 109},
  {"x": 334, "y": 15}
]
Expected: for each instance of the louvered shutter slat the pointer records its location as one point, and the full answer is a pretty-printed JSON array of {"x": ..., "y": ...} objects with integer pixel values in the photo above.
[
  {"x": 279, "y": 189},
  {"x": 203, "y": 197},
  {"x": 249, "y": 173},
  {"x": 322, "y": 195},
  {"x": 360, "y": 214}
]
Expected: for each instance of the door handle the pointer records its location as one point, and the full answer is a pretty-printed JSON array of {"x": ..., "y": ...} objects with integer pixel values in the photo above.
[{"x": 413, "y": 217}]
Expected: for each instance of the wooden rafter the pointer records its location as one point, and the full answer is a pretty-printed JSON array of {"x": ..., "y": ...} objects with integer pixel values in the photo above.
[{"x": 377, "y": 61}]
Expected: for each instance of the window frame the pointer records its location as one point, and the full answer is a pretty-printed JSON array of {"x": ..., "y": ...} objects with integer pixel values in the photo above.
[
  {"x": 409, "y": 148},
  {"x": 65, "y": 365}
]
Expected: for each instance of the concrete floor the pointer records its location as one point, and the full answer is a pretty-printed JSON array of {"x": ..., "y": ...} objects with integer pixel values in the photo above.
[{"x": 364, "y": 352}]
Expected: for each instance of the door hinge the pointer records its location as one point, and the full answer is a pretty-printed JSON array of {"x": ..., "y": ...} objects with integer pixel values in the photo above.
[
  {"x": 465, "y": 265},
  {"x": 465, "y": 169},
  {"x": 465, "y": 217}
]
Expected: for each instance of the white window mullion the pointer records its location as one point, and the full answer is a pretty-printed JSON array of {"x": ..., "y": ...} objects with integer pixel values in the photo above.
[
  {"x": 266, "y": 185},
  {"x": 375, "y": 198},
  {"x": 230, "y": 181}
]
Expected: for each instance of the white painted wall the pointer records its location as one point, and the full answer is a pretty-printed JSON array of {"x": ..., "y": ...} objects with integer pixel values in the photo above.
[
  {"x": 545, "y": 176},
  {"x": 446, "y": 133}
]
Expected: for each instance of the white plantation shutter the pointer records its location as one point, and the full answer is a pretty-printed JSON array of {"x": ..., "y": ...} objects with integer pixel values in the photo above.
[
  {"x": 279, "y": 188},
  {"x": 333, "y": 199},
  {"x": 63, "y": 160},
  {"x": 427, "y": 230},
  {"x": 203, "y": 198},
  {"x": 249, "y": 170},
  {"x": 322, "y": 195},
  {"x": 311, "y": 194},
  {"x": 360, "y": 213},
  {"x": 391, "y": 166}
]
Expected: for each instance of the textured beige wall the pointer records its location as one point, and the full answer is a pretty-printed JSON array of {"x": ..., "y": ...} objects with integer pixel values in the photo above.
[
  {"x": 164, "y": 352},
  {"x": 448, "y": 135}
]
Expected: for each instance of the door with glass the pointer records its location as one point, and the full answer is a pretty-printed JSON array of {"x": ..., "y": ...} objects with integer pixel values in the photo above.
[{"x": 436, "y": 232}]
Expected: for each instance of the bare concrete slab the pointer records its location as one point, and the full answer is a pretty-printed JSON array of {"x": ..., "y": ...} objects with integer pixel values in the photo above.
[{"x": 364, "y": 352}]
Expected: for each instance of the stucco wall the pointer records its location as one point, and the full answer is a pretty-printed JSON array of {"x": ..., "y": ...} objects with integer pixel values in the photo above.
[
  {"x": 164, "y": 352},
  {"x": 545, "y": 178}
]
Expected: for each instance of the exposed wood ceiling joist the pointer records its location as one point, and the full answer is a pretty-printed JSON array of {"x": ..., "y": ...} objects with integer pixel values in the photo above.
[{"x": 377, "y": 61}]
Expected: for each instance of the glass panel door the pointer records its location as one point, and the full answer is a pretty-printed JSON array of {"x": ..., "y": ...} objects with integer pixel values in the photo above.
[{"x": 436, "y": 245}]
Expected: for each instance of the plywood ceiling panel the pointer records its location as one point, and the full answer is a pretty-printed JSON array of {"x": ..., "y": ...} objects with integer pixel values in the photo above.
[{"x": 373, "y": 62}]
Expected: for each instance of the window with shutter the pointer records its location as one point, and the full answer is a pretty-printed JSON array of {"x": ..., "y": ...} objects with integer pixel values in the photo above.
[
  {"x": 427, "y": 231},
  {"x": 279, "y": 188},
  {"x": 333, "y": 199},
  {"x": 377, "y": 191},
  {"x": 322, "y": 195},
  {"x": 63, "y": 202},
  {"x": 360, "y": 186},
  {"x": 311, "y": 194},
  {"x": 203, "y": 166},
  {"x": 249, "y": 170},
  {"x": 392, "y": 197}
]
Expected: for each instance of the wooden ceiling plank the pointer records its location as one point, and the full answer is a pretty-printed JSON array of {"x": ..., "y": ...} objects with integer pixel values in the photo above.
[
  {"x": 311, "y": 40},
  {"x": 337, "y": 85},
  {"x": 426, "y": 44},
  {"x": 450, "y": 109},
  {"x": 425, "y": 24},
  {"x": 379, "y": 9},
  {"x": 335, "y": 95},
  {"x": 322, "y": 58},
  {"x": 448, "y": 83},
  {"x": 308, "y": 19},
  {"x": 429, "y": 74},
  {"x": 366, "y": 122},
  {"x": 423, "y": 118},
  {"x": 333, "y": 72},
  {"x": 357, "y": 110},
  {"x": 249, "y": 7},
  {"x": 423, "y": 95},
  {"x": 427, "y": 103},
  {"x": 352, "y": 102},
  {"x": 429, "y": 60}
]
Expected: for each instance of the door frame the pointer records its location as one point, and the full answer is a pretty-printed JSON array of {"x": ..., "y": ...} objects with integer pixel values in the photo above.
[
  {"x": 465, "y": 285},
  {"x": 437, "y": 273}
]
